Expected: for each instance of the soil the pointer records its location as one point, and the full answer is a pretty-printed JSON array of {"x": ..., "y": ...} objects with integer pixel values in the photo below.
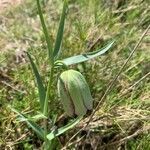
[{"x": 6, "y": 4}]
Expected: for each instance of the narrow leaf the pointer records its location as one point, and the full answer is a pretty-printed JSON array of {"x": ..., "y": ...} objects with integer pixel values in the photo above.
[
  {"x": 41, "y": 89},
  {"x": 87, "y": 56},
  {"x": 60, "y": 30},
  {"x": 38, "y": 117},
  {"x": 45, "y": 30},
  {"x": 33, "y": 118},
  {"x": 31, "y": 124},
  {"x": 61, "y": 130}
]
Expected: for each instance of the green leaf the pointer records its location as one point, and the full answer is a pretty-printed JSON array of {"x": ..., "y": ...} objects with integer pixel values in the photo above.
[
  {"x": 35, "y": 118},
  {"x": 31, "y": 124},
  {"x": 60, "y": 30},
  {"x": 87, "y": 56},
  {"x": 41, "y": 89},
  {"x": 38, "y": 117},
  {"x": 61, "y": 130},
  {"x": 45, "y": 30}
]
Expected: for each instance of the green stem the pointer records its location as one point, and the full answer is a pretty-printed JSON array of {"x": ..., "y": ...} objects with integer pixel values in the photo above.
[
  {"x": 51, "y": 59},
  {"x": 45, "y": 111}
]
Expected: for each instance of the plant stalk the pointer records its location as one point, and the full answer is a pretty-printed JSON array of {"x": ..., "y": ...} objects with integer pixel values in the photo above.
[{"x": 45, "y": 111}]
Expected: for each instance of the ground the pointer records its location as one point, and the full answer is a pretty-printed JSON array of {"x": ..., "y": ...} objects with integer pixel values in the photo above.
[
  {"x": 6, "y": 4},
  {"x": 122, "y": 120}
]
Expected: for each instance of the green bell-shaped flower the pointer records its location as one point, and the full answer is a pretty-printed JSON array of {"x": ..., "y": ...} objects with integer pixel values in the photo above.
[{"x": 74, "y": 93}]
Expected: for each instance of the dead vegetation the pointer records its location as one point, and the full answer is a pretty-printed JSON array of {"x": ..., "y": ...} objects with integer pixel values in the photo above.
[{"x": 122, "y": 121}]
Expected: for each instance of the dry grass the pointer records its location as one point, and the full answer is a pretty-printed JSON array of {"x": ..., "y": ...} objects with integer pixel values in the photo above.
[{"x": 122, "y": 122}]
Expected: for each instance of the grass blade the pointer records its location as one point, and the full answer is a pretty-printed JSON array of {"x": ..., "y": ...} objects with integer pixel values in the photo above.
[
  {"x": 60, "y": 30},
  {"x": 45, "y": 30},
  {"x": 41, "y": 89},
  {"x": 87, "y": 56},
  {"x": 63, "y": 129},
  {"x": 31, "y": 124},
  {"x": 35, "y": 118}
]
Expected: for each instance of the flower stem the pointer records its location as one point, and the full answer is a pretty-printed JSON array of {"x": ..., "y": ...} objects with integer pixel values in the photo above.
[{"x": 45, "y": 111}]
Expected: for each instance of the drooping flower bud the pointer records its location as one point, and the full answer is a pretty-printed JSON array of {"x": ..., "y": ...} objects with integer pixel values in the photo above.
[{"x": 74, "y": 93}]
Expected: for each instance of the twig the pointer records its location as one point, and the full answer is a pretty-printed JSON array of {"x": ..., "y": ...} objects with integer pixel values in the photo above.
[
  {"x": 75, "y": 142},
  {"x": 135, "y": 134},
  {"x": 10, "y": 86},
  {"x": 137, "y": 82},
  {"x": 131, "y": 87},
  {"x": 111, "y": 85}
]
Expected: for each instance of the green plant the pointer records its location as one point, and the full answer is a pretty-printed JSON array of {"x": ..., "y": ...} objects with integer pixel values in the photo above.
[{"x": 45, "y": 90}]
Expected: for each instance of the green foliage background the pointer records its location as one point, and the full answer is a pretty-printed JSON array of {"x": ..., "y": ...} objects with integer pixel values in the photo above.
[{"x": 89, "y": 25}]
